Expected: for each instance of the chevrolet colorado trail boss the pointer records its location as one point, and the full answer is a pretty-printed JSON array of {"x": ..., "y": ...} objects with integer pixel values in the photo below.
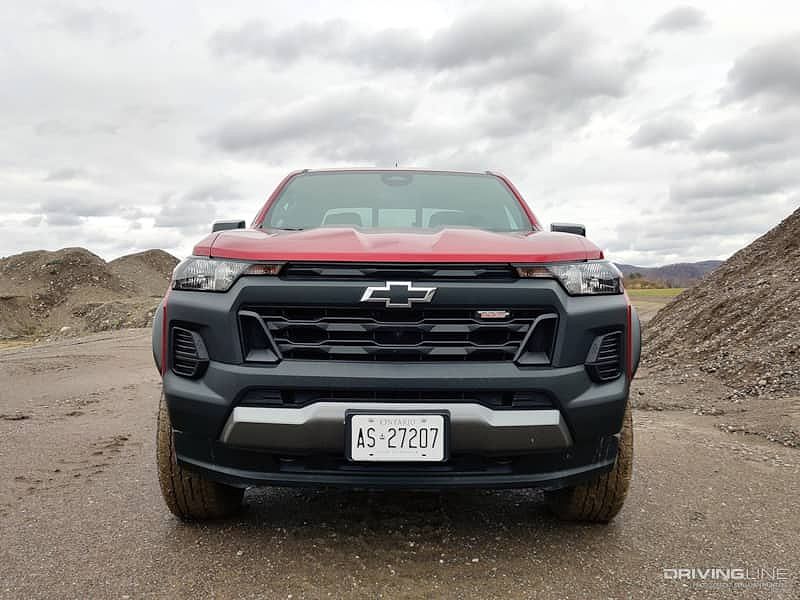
[{"x": 395, "y": 328}]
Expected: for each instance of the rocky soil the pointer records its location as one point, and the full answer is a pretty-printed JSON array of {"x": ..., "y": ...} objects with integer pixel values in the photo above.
[
  {"x": 733, "y": 341},
  {"x": 73, "y": 291}
]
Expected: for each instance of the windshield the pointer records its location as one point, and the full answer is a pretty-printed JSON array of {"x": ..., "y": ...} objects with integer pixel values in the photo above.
[{"x": 396, "y": 199}]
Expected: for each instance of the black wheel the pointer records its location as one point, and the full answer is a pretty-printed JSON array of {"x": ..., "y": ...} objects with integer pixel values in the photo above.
[
  {"x": 599, "y": 500},
  {"x": 187, "y": 495}
]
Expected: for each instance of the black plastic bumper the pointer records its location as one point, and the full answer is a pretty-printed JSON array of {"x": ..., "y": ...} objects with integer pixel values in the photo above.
[
  {"x": 544, "y": 470},
  {"x": 201, "y": 407},
  {"x": 592, "y": 411}
]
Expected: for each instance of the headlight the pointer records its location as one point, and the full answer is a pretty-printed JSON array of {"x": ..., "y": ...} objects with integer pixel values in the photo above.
[
  {"x": 580, "y": 279},
  {"x": 211, "y": 275}
]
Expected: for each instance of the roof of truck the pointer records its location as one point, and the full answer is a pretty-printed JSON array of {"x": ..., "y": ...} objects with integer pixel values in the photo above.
[{"x": 398, "y": 169}]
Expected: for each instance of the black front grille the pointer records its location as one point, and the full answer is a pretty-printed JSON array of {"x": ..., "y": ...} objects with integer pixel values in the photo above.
[
  {"x": 395, "y": 271},
  {"x": 392, "y": 334},
  {"x": 604, "y": 361},
  {"x": 300, "y": 397},
  {"x": 189, "y": 356}
]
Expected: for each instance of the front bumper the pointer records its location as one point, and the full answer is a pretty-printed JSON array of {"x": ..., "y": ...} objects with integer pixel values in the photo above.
[
  {"x": 572, "y": 439},
  {"x": 305, "y": 446}
]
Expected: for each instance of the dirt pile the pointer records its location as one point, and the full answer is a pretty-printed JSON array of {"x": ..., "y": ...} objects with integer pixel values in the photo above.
[
  {"x": 148, "y": 271},
  {"x": 741, "y": 322},
  {"x": 73, "y": 291}
]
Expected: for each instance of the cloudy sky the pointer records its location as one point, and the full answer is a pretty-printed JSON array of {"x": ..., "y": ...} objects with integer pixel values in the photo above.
[{"x": 670, "y": 130}]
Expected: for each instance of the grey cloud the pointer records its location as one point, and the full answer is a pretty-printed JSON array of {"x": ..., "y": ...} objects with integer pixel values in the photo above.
[
  {"x": 742, "y": 184},
  {"x": 743, "y": 134},
  {"x": 478, "y": 49},
  {"x": 110, "y": 26},
  {"x": 732, "y": 184},
  {"x": 255, "y": 39},
  {"x": 57, "y": 127},
  {"x": 66, "y": 174},
  {"x": 195, "y": 208},
  {"x": 72, "y": 211},
  {"x": 479, "y": 37},
  {"x": 677, "y": 230},
  {"x": 363, "y": 126},
  {"x": 485, "y": 36},
  {"x": 529, "y": 71},
  {"x": 759, "y": 156},
  {"x": 770, "y": 71},
  {"x": 131, "y": 213},
  {"x": 681, "y": 18},
  {"x": 336, "y": 123},
  {"x": 33, "y": 221},
  {"x": 63, "y": 220},
  {"x": 76, "y": 207},
  {"x": 662, "y": 131},
  {"x": 219, "y": 191},
  {"x": 149, "y": 115},
  {"x": 540, "y": 89},
  {"x": 755, "y": 139}
]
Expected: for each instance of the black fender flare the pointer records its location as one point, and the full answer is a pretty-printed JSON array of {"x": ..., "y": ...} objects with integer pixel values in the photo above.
[
  {"x": 158, "y": 334},
  {"x": 636, "y": 340}
]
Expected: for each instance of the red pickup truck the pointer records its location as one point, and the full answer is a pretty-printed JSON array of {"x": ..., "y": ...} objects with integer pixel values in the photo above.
[{"x": 395, "y": 328}]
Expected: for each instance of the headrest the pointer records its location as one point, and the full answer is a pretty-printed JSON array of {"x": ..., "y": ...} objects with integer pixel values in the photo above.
[
  {"x": 448, "y": 217},
  {"x": 345, "y": 218}
]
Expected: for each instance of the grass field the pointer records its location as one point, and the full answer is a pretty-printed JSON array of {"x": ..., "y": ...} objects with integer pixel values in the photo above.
[
  {"x": 5, "y": 344},
  {"x": 655, "y": 293},
  {"x": 649, "y": 302}
]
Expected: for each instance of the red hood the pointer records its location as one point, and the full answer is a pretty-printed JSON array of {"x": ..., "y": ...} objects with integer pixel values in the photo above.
[{"x": 344, "y": 244}]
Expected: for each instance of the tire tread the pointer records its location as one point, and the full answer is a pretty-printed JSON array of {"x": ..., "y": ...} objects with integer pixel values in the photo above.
[
  {"x": 601, "y": 499},
  {"x": 187, "y": 495}
]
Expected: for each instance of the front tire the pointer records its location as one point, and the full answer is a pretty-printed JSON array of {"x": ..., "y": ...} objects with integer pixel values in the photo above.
[
  {"x": 187, "y": 495},
  {"x": 599, "y": 500}
]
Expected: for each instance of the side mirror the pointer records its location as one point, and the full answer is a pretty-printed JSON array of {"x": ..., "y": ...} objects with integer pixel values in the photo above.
[
  {"x": 574, "y": 228},
  {"x": 225, "y": 225}
]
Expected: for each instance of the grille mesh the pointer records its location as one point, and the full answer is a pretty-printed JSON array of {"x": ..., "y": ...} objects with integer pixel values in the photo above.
[{"x": 390, "y": 334}]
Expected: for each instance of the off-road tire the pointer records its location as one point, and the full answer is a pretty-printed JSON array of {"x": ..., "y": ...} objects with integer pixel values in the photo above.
[
  {"x": 599, "y": 500},
  {"x": 187, "y": 495}
]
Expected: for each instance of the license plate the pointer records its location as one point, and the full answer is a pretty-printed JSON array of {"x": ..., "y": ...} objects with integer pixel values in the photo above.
[{"x": 397, "y": 437}]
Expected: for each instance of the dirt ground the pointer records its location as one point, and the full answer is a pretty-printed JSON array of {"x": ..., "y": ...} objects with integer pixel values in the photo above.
[{"x": 81, "y": 514}]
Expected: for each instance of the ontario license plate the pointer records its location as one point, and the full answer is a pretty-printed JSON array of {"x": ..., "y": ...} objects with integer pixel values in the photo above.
[{"x": 397, "y": 437}]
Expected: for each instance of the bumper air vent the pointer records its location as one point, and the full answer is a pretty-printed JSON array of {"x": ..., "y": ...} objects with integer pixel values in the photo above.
[
  {"x": 538, "y": 346},
  {"x": 189, "y": 355},
  {"x": 257, "y": 342},
  {"x": 604, "y": 361},
  {"x": 294, "y": 398},
  {"x": 532, "y": 400}
]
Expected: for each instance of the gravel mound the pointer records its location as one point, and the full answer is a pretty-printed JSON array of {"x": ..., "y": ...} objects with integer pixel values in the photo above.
[
  {"x": 741, "y": 321},
  {"x": 73, "y": 291},
  {"x": 148, "y": 271}
]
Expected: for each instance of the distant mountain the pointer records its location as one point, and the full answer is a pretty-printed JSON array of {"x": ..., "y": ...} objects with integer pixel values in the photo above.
[{"x": 676, "y": 275}]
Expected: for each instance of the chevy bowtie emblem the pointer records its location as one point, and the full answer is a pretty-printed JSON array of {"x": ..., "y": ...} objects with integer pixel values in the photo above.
[{"x": 398, "y": 294}]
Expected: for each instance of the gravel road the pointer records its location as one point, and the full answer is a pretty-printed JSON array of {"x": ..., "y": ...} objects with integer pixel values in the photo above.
[{"x": 81, "y": 515}]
